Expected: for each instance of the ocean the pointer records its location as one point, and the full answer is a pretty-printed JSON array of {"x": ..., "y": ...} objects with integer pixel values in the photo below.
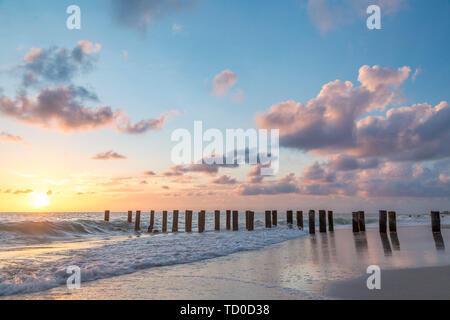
[{"x": 37, "y": 248}]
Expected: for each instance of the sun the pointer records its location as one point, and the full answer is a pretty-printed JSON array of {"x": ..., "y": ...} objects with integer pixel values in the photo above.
[{"x": 40, "y": 200}]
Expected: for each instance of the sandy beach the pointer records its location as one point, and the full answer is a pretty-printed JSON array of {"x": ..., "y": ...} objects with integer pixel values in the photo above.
[{"x": 414, "y": 265}]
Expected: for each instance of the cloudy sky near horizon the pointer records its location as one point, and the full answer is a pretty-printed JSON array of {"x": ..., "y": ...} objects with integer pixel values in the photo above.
[{"x": 86, "y": 115}]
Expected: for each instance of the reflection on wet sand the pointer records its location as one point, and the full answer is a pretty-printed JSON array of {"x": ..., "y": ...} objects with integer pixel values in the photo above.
[
  {"x": 395, "y": 241},
  {"x": 439, "y": 241},
  {"x": 386, "y": 244},
  {"x": 361, "y": 242}
]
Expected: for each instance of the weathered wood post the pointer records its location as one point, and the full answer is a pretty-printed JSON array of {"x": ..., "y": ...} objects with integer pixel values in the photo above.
[
  {"x": 435, "y": 221},
  {"x": 312, "y": 221},
  {"x": 268, "y": 219},
  {"x": 228, "y": 222},
  {"x": 175, "y": 221},
  {"x": 217, "y": 220},
  {"x": 107, "y": 215},
  {"x": 188, "y": 221},
  {"x": 201, "y": 221},
  {"x": 137, "y": 225},
  {"x": 251, "y": 221},
  {"x": 355, "y": 222},
  {"x": 246, "y": 219},
  {"x": 330, "y": 221},
  {"x": 235, "y": 220},
  {"x": 289, "y": 217},
  {"x": 300, "y": 219},
  {"x": 152, "y": 221},
  {"x": 392, "y": 221},
  {"x": 164, "y": 221},
  {"x": 130, "y": 217},
  {"x": 322, "y": 221},
  {"x": 361, "y": 221},
  {"x": 274, "y": 217},
  {"x": 383, "y": 221}
]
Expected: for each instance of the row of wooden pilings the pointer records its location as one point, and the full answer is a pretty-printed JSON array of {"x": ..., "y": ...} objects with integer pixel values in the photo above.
[{"x": 271, "y": 219}]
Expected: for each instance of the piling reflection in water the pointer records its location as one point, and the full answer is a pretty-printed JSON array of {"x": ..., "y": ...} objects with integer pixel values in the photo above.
[
  {"x": 361, "y": 244},
  {"x": 395, "y": 241},
  {"x": 386, "y": 244},
  {"x": 438, "y": 241}
]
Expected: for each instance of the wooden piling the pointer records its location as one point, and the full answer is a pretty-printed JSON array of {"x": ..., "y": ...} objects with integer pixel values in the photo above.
[
  {"x": 289, "y": 217},
  {"x": 235, "y": 220},
  {"x": 246, "y": 219},
  {"x": 268, "y": 219},
  {"x": 201, "y": 221},
  {"x": 251, "y": 221},
  {"x": 435, "y": 221},
  {"x": 228, "y": 220},
  {"x": 175, "y": 221},
  {"x": 107, "y": 215},
  {"x": 137, "y": 225},
  {"x": 330, "y": 221},
  {"x": 322, "y": 221},
  {"x": 188, "y": 221},
  {"x": 164, "y": 221},
  {"x": 361, "y": 221},
  {"x": 383, "y": 221},
  {"x": 300, "y": 219},
  {"x": 312, "y": 221},
  {"x": 392, "y": 221},
  {"x": 355, "y": 222},
  {"x": 274, "y": 217},
  {"x": 152, "y": 221},
  {"x": 130, "y": 217},
  {"x": 217, "y": 220}
]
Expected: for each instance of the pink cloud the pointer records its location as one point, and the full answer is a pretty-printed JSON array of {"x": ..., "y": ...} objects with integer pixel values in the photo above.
[
  {"x": 62, "y": 108},
  {"x": 223, "y": 82},
  {"x": 108, "y": 155},
  {"x": 328, "y": 121},
  {"x": 6, "y": 137},
  {"x": 224, "y": 180}
]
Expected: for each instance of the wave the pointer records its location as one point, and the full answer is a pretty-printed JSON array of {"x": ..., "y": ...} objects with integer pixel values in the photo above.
[
  {"x": 45, "y": 231},
  {"x": 123, "y": 256}
]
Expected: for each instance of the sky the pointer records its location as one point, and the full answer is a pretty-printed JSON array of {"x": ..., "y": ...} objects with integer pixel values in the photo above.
[{"x": 86, "y": 116}]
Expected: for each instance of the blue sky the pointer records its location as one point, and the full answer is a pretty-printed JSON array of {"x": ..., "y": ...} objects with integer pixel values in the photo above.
[{"x": 274, "y": 47}]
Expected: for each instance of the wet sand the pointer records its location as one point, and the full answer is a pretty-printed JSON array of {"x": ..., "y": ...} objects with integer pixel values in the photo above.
[{"x": 333, "y": 265}]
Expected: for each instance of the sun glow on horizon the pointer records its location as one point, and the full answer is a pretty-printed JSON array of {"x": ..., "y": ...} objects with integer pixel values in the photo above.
[{"x": 40, "y": 200}]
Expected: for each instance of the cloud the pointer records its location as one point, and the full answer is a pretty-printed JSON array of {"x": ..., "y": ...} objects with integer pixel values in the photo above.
[
  {"x": 6, "y": 137},
  {"x": 149, "y": 173},
  {"x": 328, "y": 121},
  {"x": 18, "y": 192},
  {"x": 138, "y": 14},
  {"x": 328, "y": 15},
  {"x": 254, "y": 175},
  {"x": 56, "y": 64},
  {"x": 317, "y": 173},
  {"x": 223, "y": 81},
  {"x": 109, "y": 155},
  {"x": 416, "y": 133},
  {"x": 123, "y": 124},
  {"x": 285, "y": 185},
  {"x": 224, "y": 180},
  {"x": 63, "y": 108},
  {"x": 343, "y": 162},
  {"x": 60, "y": 108}
]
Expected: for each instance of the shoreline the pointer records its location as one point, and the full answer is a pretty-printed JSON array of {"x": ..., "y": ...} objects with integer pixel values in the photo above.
[{"x": 323, "y": 266}]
